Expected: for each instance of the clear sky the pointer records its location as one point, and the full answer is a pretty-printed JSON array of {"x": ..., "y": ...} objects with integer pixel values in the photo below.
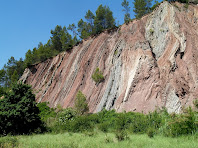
[{"x": 25, "y": 23}]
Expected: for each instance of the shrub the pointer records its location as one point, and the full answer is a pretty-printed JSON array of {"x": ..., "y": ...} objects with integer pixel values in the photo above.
[
  {"x": 121, "y": 122},
  {"x": 121, "y": 135},
  {"x": 94, "y": 118},
  {"x": 18, "y": 111},
  {"x": 45, "y": 111},
  {"x": 108, "y": 140},
  {"x": 81, "y": 105},
  {"x": 81, "y": 124},
  {"x": 196, "y": 103},
  {"x": 183, "y": 124},
  {"x": 8, "y": 142},
  {"x": 138, "y": 123},
  {"x": 109, "y": 116},
  {"x": 66, "y": 115},
  {"x": 154, "y": 120},
  {"x": 186, "y": 6},
  {"x": 63, "y": 120},
  {"x": 97, "y": 76},
  {"x": 151, "y": 132},
  {"x": 121, "y": 126},
  {"x": 103, "y": 127},
  {"x": 151, "y": 31}
]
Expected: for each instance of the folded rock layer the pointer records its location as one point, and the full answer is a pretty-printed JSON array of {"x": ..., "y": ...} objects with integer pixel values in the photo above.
[{"x": 148, "y": 64}]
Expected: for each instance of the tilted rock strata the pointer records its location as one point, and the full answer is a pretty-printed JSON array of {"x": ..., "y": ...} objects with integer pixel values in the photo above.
[{"x": 148, "y": 64}]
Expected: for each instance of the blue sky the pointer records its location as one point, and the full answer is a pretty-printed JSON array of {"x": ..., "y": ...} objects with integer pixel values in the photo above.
[{"x": 25, "y": 23}]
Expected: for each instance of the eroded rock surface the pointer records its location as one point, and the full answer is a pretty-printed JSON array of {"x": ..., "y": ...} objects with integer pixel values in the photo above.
[{"x": 148, "y": 64}]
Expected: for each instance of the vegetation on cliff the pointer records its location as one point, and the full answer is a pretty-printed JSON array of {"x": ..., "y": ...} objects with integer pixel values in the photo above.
[{"x": 97, "y": 76}]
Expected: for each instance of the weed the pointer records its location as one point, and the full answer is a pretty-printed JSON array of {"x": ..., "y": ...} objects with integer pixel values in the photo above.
[
  {"x": 8, "y": 142},
  {"x": 151, "y": 31},
  {"x": 116, "y": 52},
  {"x": 151, "y": 132},
  {"x": 121, "y": 135}
]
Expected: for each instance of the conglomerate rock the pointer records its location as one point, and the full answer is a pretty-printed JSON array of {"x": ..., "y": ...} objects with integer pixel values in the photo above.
[{"x": 148, "y": 64}]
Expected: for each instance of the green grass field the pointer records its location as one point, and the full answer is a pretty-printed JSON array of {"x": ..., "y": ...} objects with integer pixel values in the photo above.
[{"x": 99, "y": 140}]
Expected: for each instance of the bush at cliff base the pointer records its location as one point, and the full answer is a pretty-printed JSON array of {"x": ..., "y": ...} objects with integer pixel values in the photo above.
[{"x": 18, "y": 111}]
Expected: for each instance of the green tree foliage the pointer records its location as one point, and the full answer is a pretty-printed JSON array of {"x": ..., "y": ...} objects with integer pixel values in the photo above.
[
  {"x": 196, "y": 103},
  {"x": 66, "y": 115},
  {"x": 127, "y": 18},
  {"x": 2, "y": 76},
  {"x": 121, "y": 126},
  {"x": 157, "y": 122},
  {"x": 8, "y": 141},
  {"x": 81, "y": 124},
  {"x": 18, "y": 111},
  {"x": 95, "y": 24},
  {"x": 81, "y": 105},
  {"x": 90, "y": 20},
  {"x": 39, "y": 54},
  {"x": 66, "y": 40},
  {"x": 14, "y": 77},
  {"x": 186, "y": 123},
  {"x": 84, "y": 29},
  {"x": 56, "y": 38},
  {"x": 141, "y": 7},
  {"x": 2, "y": 91},
  {"x": 45, "y": 111},
  {"x": 155, "y": 5},
  {"x": 72, "y": 27},
  {"x": 61, "y": 40},
  {"x": 104, "y": 19},
  {"x": 11, "y": 72},
  {"x": 97, "y": 76},
  {"x": 29, "y": 58}
]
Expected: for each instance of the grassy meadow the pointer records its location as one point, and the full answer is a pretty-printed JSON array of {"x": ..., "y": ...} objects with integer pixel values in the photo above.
[{"x": 97, "y": 139}]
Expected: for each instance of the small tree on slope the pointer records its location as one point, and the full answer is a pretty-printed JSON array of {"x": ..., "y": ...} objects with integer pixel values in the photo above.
[{"x": 81, "y": 105}]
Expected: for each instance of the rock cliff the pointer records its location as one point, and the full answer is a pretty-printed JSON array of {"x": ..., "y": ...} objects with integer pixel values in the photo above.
[{"x": 147, "y": 64}]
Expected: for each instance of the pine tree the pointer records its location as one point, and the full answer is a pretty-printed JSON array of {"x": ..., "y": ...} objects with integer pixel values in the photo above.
[
  {"x": 72, "y": 28},
  {"x": 56, "y": 38},
  {"x": 140, "y": 8},
  {"x": 125, "y": 4},
  {"x": 104, "y": 19},
  {"x": 66, "y": 39},
  {"x": 83, "y": 29},
  {"x": 90, "y": 19},
  {"x": 14, "y": 77}
]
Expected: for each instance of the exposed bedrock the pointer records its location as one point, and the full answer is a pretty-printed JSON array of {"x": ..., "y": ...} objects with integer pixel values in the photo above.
[{"x": 147, "y": 64}]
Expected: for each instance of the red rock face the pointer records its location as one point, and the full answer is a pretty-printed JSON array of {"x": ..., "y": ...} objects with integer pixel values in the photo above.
[{"x": 148, "y": 64}]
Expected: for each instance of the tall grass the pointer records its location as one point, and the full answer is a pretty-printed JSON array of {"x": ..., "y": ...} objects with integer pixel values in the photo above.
[{"x": 102, "y": 140}]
